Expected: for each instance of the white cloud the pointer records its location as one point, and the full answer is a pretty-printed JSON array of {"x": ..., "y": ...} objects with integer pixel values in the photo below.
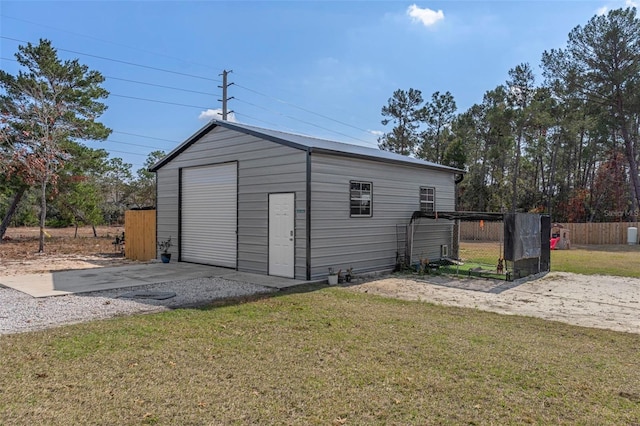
[
  {"x": 217, "y": 114},
  {"x": 426, "y": 16},
  {"x": 627, "y": 3},
  {"x": 376, "y": 132}
]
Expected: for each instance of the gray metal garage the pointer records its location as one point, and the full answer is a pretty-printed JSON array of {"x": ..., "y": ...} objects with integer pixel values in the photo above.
[{"x": 276, "y": 203}]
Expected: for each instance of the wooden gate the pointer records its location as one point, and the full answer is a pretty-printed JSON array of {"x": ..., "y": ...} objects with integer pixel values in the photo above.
[{"x": 140, "y": 234}]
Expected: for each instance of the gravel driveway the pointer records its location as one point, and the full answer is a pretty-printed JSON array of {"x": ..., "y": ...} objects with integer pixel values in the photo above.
[
  {"x": 20, "y": 312},
  {"x": 591, "y": 301}
]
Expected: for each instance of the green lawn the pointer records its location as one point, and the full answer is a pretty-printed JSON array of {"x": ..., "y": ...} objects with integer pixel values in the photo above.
[
  {"x": 486, "y": 253},
  {"x": 327, "y": 356},
  {"x": 473, "y": 269},
  {"x": 618, "y": 260}
]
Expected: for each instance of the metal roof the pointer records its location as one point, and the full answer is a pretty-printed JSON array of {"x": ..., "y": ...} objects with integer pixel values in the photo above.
[{"x": 306, "y": 143}]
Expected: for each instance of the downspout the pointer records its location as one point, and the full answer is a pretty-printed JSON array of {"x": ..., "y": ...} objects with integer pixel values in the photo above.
[
  {"x": 155, "y": 239},
  {"x": 458, "y": 178},
  {"x": 455, "y": 238}
]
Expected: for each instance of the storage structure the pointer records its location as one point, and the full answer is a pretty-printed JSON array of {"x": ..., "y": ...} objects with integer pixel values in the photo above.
[
  {"x": 523, "y": 248},
  {"x": 270, "y": 202}
]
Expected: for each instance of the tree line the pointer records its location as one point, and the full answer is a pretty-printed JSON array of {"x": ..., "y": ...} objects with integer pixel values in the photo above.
[
  {"x": 48, "y": 176},
  {"x": 567, "y": 145}
]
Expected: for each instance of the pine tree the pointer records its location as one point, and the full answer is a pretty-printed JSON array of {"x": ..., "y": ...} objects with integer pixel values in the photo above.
[
  {"x": 47, "y": 104},
  {"x": 403, "y": 111}
]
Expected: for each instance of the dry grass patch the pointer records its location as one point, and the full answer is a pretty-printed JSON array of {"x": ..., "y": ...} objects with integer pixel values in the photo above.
[
  {"x": 63, "y": 250},
  {"x": 618, "y": 260},
  {"x": 323, "y": 357},
  {"x": 22, "y": 243}
]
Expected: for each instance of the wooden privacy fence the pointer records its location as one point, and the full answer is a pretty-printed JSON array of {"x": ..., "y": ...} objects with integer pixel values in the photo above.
[
  {"x": 481, "y": 231},
  {"x": 579, "y": 233},
  {"x": 599, "y": 233},
  {"x": 140, "y": 234}
]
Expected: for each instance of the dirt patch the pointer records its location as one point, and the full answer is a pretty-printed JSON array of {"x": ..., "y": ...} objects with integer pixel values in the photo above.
[
  {"x": 63, "y": 250},
  {"x": 586, "y": 300}
]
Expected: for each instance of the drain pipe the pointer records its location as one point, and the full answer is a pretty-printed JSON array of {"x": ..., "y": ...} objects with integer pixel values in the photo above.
[{"x": 455, "y": 243}]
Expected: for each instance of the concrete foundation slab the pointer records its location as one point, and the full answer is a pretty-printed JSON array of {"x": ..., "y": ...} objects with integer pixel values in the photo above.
[{"x": 87, "y": 280}]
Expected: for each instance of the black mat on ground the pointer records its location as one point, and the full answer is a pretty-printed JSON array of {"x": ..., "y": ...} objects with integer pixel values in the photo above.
[
  {"x": 475, "y": 284},
  {"x": 142, "y": 294}
]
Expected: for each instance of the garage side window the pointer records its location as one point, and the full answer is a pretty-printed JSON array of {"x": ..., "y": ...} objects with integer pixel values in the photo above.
[
  {"x": 427, "y": 199},
  {"x": 360, "y": 198}
]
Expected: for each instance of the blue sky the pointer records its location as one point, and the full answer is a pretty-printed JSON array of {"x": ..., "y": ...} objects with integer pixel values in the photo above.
[{"x": 322, "y": 68}]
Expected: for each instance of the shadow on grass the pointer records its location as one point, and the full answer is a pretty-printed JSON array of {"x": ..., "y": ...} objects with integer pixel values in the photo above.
[{"x": 240, "y": 300}]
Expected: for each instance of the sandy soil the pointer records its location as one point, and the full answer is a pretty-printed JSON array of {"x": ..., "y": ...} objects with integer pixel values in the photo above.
[
  {"x": 586, "y": 300},
  {"x": 60, "y": 262},
  {"x": 63, "y": 250}
]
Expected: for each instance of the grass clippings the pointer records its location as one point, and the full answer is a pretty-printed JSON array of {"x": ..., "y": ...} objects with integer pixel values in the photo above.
[{"x": 328, "y": 356}]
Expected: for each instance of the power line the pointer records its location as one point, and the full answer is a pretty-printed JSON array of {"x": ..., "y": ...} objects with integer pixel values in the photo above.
[
  {"x": 287, "y": 93},
  {"x": 158, "y": 101},
  {"x": 304, "y": 121},
  {"x": 139, "y": 82},
  {"x": 126, "y": 152},
  {"x": 303, "y": 109},
  {"x": 209, "y": 79},
  {"x": 106, "y": 41},
  {"x": 147, "y": 84},
  {"x": 121, "y": 61},
  {"x": 143, "y": 136},
  {"x": 242, "y": 114},
  {"x": 157, "y": 85},
  {"x": 133, "y": 144}
]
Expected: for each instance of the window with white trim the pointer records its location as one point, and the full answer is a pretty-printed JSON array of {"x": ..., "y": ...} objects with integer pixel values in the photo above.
[
  {"x": 427, "y": 199},
  {"x": 360, "y": 199}
]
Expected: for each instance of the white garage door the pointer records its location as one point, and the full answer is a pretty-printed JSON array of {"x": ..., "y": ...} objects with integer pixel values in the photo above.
[{"x": 209, "y": 215}]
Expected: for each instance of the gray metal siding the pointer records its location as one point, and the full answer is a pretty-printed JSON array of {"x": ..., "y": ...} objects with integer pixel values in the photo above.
[
  {"x": 263, "y": 167},
  {"x": 167, "y": 180},
  {"x": 368, "y": 244},
  {"x": 429, "y": 235}
]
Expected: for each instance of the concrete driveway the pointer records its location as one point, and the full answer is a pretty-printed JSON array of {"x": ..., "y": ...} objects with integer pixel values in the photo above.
[{"x": 94, "y": 279}]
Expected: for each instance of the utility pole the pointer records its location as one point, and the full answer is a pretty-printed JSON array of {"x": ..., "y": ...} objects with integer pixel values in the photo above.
[{"x": 224, "y": 99}]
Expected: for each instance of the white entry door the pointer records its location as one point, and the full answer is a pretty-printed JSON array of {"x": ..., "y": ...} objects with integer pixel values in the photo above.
[{"x": 281, "y": 234}]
